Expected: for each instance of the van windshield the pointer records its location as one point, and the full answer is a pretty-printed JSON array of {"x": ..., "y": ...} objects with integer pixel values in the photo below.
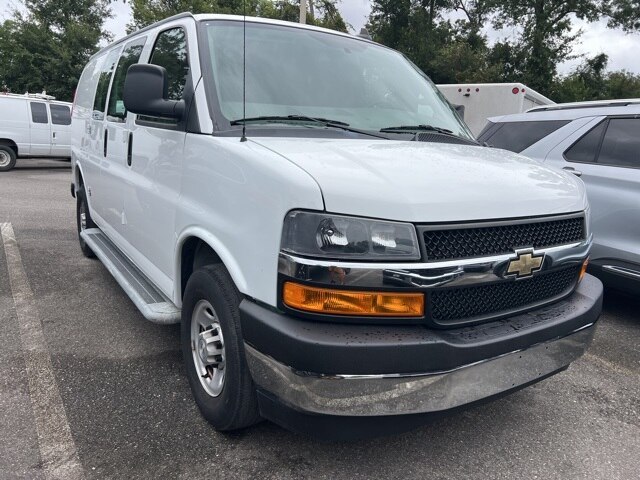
[{"x": 301, "y": 73}]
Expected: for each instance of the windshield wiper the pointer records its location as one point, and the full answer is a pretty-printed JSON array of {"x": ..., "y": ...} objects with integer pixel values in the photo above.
[
  {"x": 325, "y": 122},
  {"x": 417, "y": 128},
  {"x": 293, "y": 118}
]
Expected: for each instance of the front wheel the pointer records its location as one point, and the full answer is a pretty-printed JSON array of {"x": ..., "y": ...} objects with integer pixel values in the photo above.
[
  {"x": 213, "y": 350},
  {"x": 84, "y": 221}
]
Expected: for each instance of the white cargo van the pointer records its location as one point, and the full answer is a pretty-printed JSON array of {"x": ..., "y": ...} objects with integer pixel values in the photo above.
[
  {"x": 338, "y": 249},
  {"x": 33, "y": 125},
  {"x": 483, "y": 100}
]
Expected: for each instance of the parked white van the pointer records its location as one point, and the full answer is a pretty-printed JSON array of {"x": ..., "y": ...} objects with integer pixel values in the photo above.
[
  {"x": 33, "y": 125},
  {"x": 338, "y": 249}
]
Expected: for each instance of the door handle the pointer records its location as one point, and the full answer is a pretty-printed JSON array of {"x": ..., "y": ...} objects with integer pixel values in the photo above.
[
  {"x": 54, "y": 134},
  {"x": 106, "y": 137},
  {"x": 129, "y": 148},
  {"x": 577, "y": 173}
]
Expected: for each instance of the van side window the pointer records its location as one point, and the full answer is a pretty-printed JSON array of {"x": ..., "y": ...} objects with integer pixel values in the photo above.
[
  {"x": 130, "y": 55},
  {"x": 39, "y": 113},
  {"x": 100, "y": 101},
  {"x": 170, "y": 52},
  {"x": 60, "y": 114},
  {"x": 621, "y": 143}
]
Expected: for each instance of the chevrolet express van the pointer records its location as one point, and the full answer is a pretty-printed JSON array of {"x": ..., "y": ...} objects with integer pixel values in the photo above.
[
  {"x": 341, "y": 253},
  {"x": 33, "y": 125}
]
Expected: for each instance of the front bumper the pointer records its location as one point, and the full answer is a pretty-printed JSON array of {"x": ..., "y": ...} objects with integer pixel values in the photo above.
[{"x": 364, "y": 371}]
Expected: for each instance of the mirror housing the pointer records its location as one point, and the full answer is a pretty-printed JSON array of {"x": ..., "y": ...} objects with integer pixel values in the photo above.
[{"x": 146, "y": 89}]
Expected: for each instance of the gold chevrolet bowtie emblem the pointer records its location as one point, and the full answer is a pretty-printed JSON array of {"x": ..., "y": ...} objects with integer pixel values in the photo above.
[{"x": 526, "y": 264}]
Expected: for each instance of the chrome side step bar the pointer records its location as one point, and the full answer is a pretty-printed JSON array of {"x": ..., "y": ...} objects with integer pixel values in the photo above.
[
  {"x": 153, "y": 305},
  {"x": 626, "y": 272}
]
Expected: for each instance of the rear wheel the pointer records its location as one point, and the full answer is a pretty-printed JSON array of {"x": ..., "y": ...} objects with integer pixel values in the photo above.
[
  {"x": 83, "y": 219},
  {"x": 213, "y": 350},
  {"x": 7, "y": 158}
]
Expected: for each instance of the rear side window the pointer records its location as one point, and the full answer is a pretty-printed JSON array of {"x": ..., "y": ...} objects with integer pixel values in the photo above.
[
  {"x": 39, "y": 113},
  {"x": 586, "y": 149},
  {"x": 130, "y": 56},
  {"x": 60, "y": 114},
  {"x": 517, "y": 136},
  {"x": 614, "y": 141},
  {"x": 170, "y": 52},
  {"x": 100, "y": 100},
  {"x": 621, "y": 143}
]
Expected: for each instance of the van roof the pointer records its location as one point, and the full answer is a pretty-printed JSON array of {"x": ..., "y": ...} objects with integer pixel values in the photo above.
[
  {"x": 32, "y": 96},
  {"x": 239, "y": 18}
]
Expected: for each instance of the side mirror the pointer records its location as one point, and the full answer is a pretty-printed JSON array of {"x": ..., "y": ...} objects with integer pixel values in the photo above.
[
  {"x": 146, "y": 90},
  {"x": 460, "y": 110}
]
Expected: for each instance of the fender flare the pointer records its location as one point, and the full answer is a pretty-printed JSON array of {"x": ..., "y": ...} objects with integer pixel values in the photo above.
[{"x": 218, "y": 247}]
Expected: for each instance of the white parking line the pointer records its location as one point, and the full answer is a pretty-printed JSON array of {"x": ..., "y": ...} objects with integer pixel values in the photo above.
[{"x": 57, "y": 448}]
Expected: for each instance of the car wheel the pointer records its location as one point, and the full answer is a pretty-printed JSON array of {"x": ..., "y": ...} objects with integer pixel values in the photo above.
[
  {"x": 213, "y": 350},
  {"x": 83, "y": 219},
  {"x": 7, "y": 158}
]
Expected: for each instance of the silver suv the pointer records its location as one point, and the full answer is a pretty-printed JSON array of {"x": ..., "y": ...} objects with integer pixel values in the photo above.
[{"x": 600, "y": 143}]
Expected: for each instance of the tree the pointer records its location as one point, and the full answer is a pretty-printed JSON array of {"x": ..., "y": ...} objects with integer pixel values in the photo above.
[
  {"x": 146, "y": 12},
  {"x": 46, "y": 47},
  {"x": 447, "y": 52},
  {"x": 590, "y": 81},
  {"x": 546, "y": 33},
  {"x": 625, "y": 14}
]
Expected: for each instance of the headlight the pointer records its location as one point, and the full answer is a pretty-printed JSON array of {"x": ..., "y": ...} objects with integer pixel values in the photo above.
[{"x": 336, "y": 236}]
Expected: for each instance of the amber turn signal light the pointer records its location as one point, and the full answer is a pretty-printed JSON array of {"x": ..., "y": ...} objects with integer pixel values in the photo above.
[
  {"x": 583, "y": 270},
  {"x": 349, "y": 302}
]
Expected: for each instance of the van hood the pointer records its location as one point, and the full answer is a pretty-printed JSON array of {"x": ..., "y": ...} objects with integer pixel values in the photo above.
[{"x": 429, "y": 182}]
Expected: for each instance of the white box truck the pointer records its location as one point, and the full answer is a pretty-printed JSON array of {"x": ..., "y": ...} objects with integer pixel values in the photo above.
[
  {"x": 484, "y": 100},
  {"x": 33, "y": 125}
]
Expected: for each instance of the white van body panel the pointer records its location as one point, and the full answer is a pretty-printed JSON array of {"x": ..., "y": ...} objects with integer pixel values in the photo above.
[
  {"x": 484, "y": 100},
  {"x": 31, "y": 138},
  {"x": 14, "y": 122},
  {"x": 239, "y": 193}
]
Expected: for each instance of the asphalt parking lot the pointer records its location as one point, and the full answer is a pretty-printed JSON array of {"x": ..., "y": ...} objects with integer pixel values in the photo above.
[{"x": 88, "y": 388}]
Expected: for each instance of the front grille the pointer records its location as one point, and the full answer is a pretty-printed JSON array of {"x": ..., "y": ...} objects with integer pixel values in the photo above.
[
  {"x": 474, "y": 303},
  {"x": 479, "y": 241}
]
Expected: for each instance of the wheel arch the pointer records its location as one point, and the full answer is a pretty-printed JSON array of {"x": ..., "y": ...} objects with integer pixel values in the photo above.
[
  {"x": 197, "y": 247},
  {"x": 7, "y": 142}
]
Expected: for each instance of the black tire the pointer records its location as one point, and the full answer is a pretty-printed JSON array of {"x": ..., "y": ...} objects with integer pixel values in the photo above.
[
  {"x": 7, "y": 158},
  {"x": 236, "y": 405},
  {"x": 82, "y": 207}
]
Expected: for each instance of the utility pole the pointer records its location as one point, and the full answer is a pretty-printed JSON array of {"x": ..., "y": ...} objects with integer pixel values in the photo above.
[{"x": 303, "y": 11}]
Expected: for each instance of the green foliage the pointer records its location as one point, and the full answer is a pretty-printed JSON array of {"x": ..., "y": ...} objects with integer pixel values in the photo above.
[
  {"x": 447, "y": 52},
  {"x": 146, "y": 12},
  {"x": 47, "y": 47},
  {"x": 625, "y": 14},
  {"x": 543, "y": 38},
  {"x": 590, "y": 81},
  {"x": 546, "y": 33}
]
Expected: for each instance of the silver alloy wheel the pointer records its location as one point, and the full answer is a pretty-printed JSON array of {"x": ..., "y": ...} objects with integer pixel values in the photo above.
[
  {"x": 5, "y": 159},
  {"x": 207, "y": 348}
]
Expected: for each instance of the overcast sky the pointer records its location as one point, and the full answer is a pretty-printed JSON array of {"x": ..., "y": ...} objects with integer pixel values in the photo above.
[{"x": 623, "y": 49}]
